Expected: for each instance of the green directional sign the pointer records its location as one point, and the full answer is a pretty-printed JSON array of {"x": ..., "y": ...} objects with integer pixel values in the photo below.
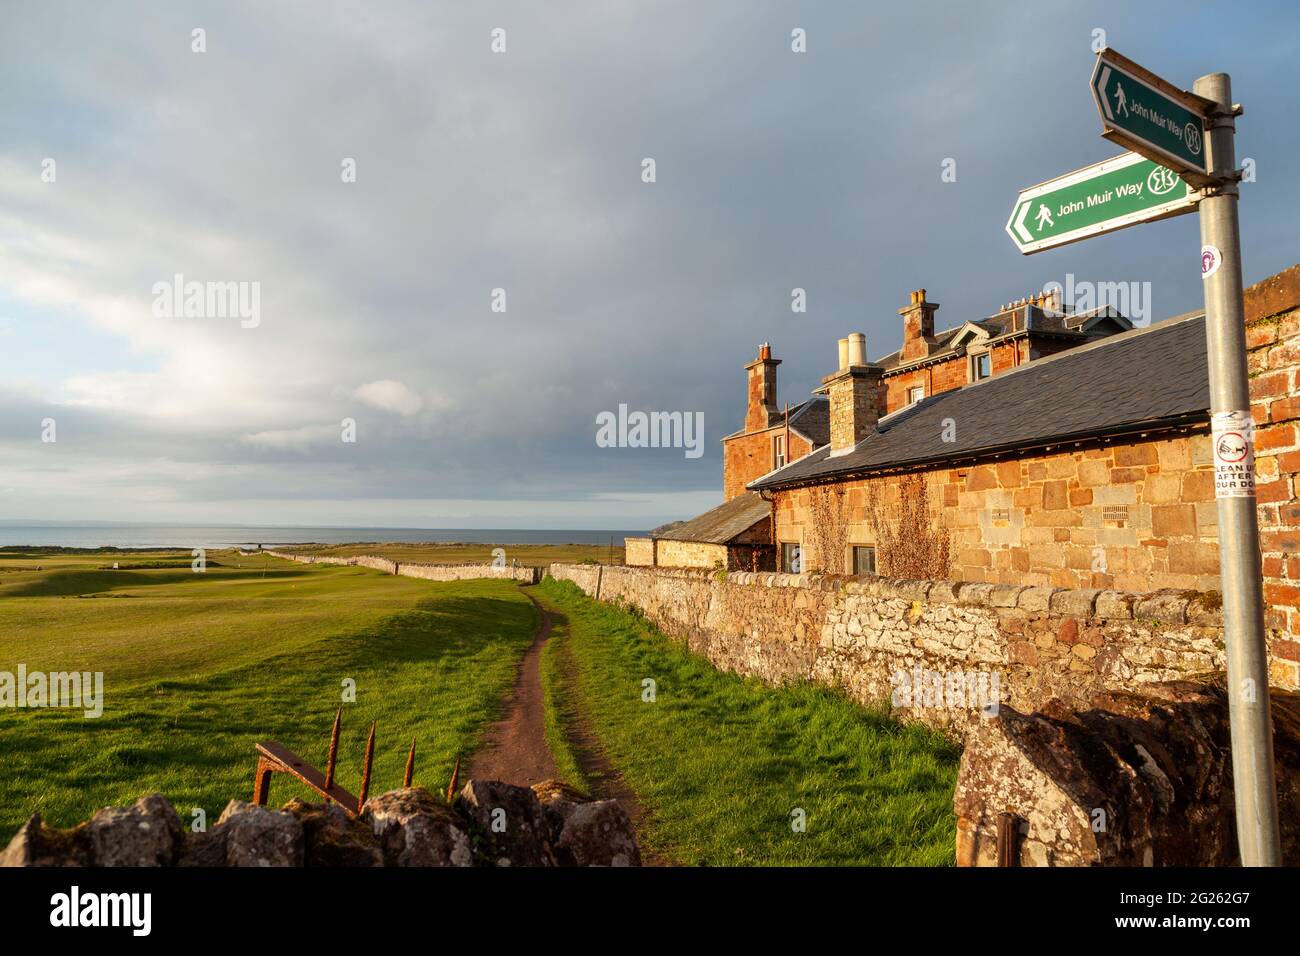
[
  {"x": 1103, "y": 197},
  {"x": 1150, "y": 116}
]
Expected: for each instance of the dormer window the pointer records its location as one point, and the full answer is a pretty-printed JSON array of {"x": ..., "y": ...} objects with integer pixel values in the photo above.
[
  {"x": 778, "y": 451},
  {"x": 981, "y": 366}
]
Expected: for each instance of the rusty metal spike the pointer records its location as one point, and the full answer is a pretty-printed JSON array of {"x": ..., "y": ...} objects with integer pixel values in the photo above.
[
  {"x": 455, "y": 774},
  {"x": 334, "y": 751},
  {"x": 410, "y": 766},
  {"x": 365, "y": 770}
]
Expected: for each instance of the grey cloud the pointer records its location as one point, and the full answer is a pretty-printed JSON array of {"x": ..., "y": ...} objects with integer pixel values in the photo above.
[{"x": 521, "y": 171}]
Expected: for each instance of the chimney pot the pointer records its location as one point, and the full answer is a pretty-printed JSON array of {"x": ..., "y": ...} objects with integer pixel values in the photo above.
[
  {"x": 844, "y": 354},
  {"x": 857, "y": 348}
]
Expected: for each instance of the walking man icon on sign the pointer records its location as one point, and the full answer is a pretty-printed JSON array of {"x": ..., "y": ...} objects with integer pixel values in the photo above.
[
  {"x": 1121, "y": 102},
  {"x": 1044, "y": 217}
]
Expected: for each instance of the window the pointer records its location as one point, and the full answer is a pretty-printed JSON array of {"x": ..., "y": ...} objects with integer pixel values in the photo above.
[
  {"x": 778, "y": 451},
  {"x": 864, "y": 559},
  {"x": 791, "y": 559},
  {"x": 915, "y": 394},
  {"x": 981, "y": 366}
]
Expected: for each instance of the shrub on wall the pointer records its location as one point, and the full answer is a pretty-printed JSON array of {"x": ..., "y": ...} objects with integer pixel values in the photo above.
[{"x": 910, "y": 543}]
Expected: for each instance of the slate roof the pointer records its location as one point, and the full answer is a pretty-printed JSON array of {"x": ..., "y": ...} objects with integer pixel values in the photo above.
[
  {"x": 1121, "y": 383},
  {"x": 721, "y": 524},
  {"x": 1026, "y": 319},
  {"x": 812, "y": 419}
]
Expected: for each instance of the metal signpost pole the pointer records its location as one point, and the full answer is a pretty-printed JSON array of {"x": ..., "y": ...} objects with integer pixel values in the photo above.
[{"x": 1239, "y": 554}]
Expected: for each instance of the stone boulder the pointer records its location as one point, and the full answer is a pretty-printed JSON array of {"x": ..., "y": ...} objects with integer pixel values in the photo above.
[
  {"x": 256, "y": 836},
  {"x": 514, "y": 828},
  {"x": 332, "y": 837},
  {"x": 35, "y": 844},
  {"x": 415, "y": 828},
  {"x": 586, "y": 832},
  {"x": 1128, "y": 780},
  {"x": 147, "y": 833},
  {"x": 203, "y": 848}
]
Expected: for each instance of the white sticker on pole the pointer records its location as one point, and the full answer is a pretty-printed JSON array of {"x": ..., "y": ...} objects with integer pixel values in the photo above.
[
  {"x": 1234, "y": 455},
  {"x": 1211, "y": 259}
]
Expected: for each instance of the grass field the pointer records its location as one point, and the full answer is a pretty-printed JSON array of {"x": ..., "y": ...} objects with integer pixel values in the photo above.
[
  {"x": 721, "y": 763},
  {"x": 436, "y": 553},
  {"x": 198, "y": 667}
]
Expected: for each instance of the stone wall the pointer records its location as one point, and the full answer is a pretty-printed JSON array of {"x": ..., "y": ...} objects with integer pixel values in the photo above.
[
  {"x": 376, "y": 563},
  {"x": 548, "y": 824},
  {"x": 429, "y": 572},
  {"x": 467, "y": 572},
  {"x": 860, "y": 634},
  {"x": 1125, "y": 780},
  {"x": 1130, "y": 516},
  {"x": 691, "y": 554},
  {"x": 639, "y": 551}
]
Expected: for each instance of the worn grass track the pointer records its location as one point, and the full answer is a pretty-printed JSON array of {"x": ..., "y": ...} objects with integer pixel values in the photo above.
[{"x": 722, "y": 763}]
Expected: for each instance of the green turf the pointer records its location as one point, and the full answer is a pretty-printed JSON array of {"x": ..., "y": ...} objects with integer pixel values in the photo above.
[
  {"x": 559, "y": 700},
  {"x": 721, "y": 762},
  {"x": 198, "y": 667}
]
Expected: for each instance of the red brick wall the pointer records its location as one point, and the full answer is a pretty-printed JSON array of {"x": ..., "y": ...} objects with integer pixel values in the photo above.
[
  {"x": 1273, "y": 338},
  {"x": 946, "y": 375},
  {"x": 749, "y": 456}
]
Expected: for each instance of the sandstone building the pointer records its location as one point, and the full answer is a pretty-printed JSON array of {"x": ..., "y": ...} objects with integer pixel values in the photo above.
[
  {"x": 1037, "y": 447},
  {"x": 738, "y": 533}
]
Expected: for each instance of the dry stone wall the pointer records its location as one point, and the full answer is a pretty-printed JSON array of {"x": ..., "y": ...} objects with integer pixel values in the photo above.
[
  {"x": 940, "y": 651},
  {"x": 428, "y": 572},
  {"x": 1129, "y": 780},
  {"x": 466, "y": 572},
  {"x": 550, "y": 824}
]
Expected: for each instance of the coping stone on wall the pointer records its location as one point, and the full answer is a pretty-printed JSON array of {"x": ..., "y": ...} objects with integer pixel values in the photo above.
[{"x": 1164, "y": 606}]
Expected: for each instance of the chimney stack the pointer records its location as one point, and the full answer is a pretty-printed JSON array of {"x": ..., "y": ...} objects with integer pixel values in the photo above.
[
  {"x": 918, "y": 327},
  {"x": 762, "y": 411},
  {"x": 854, "y": 391}
]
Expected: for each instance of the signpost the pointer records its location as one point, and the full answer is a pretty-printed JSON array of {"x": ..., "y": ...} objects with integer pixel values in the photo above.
[
  {"x": 1143, "y": 113},
  {"x": 1120, "y": 192},
  {"x": 1190, "y": 135}
]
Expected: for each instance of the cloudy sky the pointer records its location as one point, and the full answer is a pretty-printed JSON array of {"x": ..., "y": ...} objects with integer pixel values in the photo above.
[{"x": 522, "y": 170}]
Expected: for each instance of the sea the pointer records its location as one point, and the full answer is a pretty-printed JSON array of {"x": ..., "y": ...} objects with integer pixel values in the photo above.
[{"x": 213, "y": 537}]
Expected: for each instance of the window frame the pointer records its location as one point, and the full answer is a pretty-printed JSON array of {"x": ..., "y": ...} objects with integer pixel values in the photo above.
[
  {"x": 779, "y": 459},
  {"x": 912, "y": 390},
  {"x": 785, "y": 565},
  {"x": 853, "y": 559},
  {"x": 975, "y": 359}
]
